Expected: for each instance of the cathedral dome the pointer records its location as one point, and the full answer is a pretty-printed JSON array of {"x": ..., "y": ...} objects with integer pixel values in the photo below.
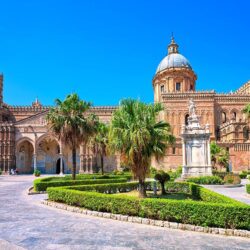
[{"x": 173, "y": 59}]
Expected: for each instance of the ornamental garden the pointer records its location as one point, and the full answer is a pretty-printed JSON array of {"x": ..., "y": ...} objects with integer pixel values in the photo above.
[{"x": 139, "y": 190}]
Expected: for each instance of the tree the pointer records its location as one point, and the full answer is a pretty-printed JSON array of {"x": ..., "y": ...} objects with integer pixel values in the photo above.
[
  {"x": 219, "y": 155},
  {"x": 246, "y": 110},
  {"x": 68, "y": 122},
  {"x": 137, "y": 135},
  {"x": 162, "y": 177},
  {"x": 100, "y": 142}
]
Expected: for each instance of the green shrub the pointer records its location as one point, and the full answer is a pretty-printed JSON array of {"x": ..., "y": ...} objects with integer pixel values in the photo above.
[
  {"x": 248, "y": 188},
  {"x": 37, "y": 173},
  {"x": 222, "y": 214},
  {"x": 175, "y": 174},
  {"x": 221, "y": 174},
  {"x": 199, "y": 193},
  {"x": 110, "y": 188},
  {"x": 162, "y": 177},
  {"x": 42, "y": 184},
  {"x": 206, "y": 180},
  {"x": 243, "y": 176},
  {"x": 0, "y": 171},
  {"x": 232, "y": 179}
]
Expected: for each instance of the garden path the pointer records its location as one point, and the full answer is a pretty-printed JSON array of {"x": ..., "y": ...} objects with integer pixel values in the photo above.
[
  {"x": 237, "y": 193},
  {"x": 26, "y": 223}
]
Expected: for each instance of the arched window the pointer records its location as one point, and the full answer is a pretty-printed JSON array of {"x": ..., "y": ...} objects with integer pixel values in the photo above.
[
  {"x": 162, "y": 88},
  {"x": 178, "y": 86},
  {"x": 186, "y": 119},
  {"x": 223, "y": 117},
  {"x": 234, "y": 116},
  {"x": 173, "y": 150},
  {"x": 246, "y": 133}
]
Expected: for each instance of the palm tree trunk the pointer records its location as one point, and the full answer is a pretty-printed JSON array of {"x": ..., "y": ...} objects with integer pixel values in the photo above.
[
  {"x": 142, "y": 189},
  {"x": 74, "y": 163},
  {"x": 102, "y": 164}
]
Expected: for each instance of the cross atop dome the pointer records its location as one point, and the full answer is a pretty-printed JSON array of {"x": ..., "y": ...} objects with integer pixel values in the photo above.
[{"x": 173, "y": 47}]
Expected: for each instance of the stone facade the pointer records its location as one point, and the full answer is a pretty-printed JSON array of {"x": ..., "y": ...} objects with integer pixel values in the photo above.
[
  {"x": 222, "y": 111},
  {"x": 25, "y": 141}
]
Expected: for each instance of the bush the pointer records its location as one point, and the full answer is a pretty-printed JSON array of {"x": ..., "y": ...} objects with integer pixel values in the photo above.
[
  {"x": 243, "y": 176},
  {"x": 206, "y": 180},
  {"x": 42, "y": 184},
  {"x": 153, "y": 171},
  {"x": 162, "y": 177},
  {"x": 220, "y": 174},
  {"x": 232, "y": 179},
  {"x": 199, "y": 193},
  {"x": 0, "y": 171},
  {"x": 175, "y": 174},
  {"x": 248, "y": 188},
  {"x": 37, "y": 173},
  {"x": 217, "y": 213}
]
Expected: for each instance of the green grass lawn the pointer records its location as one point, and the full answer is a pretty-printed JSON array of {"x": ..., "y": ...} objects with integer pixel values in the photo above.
[{"x": 172, "y": 196}]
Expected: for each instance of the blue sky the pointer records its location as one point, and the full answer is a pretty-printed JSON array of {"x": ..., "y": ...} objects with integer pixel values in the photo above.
[{"x": 108, "y": 50}]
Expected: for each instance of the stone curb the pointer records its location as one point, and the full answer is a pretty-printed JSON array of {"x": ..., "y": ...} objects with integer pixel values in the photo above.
[
  {"x": 29, "y": 192},
  {"x": 146, "y": 221}
]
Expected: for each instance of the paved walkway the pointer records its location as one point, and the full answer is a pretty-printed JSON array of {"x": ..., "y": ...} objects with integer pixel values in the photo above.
[
  {"x": 237, "y": 193},
  {"x": 26, "y": 223}
]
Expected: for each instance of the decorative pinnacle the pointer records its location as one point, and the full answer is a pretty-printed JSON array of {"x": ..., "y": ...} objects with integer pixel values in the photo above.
[{"x": 173, "y": 47}]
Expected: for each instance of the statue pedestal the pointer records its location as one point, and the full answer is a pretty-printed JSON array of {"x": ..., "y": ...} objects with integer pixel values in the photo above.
[{"x": 195, "y": 147}]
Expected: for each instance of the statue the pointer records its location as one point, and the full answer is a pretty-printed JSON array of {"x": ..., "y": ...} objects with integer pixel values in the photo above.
[{"x": 192, "y": 108}]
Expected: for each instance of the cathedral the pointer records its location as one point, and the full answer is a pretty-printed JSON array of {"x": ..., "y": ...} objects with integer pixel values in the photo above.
[{"x": 26, "y": 143}]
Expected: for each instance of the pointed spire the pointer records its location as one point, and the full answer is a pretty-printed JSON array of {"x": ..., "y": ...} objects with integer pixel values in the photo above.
[
  {"x": 173, "y": 47},
  {"x": 36, "y": 103}
]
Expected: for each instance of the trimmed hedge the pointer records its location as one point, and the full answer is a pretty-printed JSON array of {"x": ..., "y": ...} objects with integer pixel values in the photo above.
[
  {"x": 87, "y": 177},
  {"x": 199, "y": 193},
  {"x": 193, "y": 212},
  {"x": 248, "y": 188},
  {"x": 42, "y": 184},
  {"x": 206, "y": 180},
  {"x": 110, "y": 188}
]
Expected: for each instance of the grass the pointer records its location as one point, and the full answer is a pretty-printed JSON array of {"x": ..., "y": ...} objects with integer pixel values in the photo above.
[{"x": 150, "y": 194}]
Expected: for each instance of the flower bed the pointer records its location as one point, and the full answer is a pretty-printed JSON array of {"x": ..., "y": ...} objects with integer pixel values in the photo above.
[{"x": 212, "y": 209}]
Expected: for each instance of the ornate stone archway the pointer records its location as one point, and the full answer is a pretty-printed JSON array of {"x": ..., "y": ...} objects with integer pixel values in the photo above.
[{"x": 25, "y": 156}]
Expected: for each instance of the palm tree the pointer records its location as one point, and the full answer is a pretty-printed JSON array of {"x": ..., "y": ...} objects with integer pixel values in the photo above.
[
  {"x": 137, "y": 135},
  {"x": 219, "y": 155},
  {"x": 68, "y": 122},
  {"x": 100, "y": 142}
]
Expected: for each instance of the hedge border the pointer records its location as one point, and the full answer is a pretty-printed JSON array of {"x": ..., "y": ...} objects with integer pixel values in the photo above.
[
  {"x": 215, "y": 210},
  {"x": 41, "y": 185},
  {"x": 248, "y": 188},
  {"x": 145, "y": 221}
]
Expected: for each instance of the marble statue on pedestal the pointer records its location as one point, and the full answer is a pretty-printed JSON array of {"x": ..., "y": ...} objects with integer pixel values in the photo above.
[{"x": 195, "y": 146}]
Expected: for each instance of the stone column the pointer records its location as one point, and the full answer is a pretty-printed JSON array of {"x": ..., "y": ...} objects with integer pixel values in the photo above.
[
  {"x": 81, "y": 170},
  {"x": 184, "y": 153},
  {"x": 34, "y": 162},
  {"x": 209, "y": 153}
]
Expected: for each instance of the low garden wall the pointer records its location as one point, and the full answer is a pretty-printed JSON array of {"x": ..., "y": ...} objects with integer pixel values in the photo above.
[{"x": 209, "y": 208}]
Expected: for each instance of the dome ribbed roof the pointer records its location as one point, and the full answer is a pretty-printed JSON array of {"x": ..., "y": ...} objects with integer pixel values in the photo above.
[{"x": 173, "y": 61}]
